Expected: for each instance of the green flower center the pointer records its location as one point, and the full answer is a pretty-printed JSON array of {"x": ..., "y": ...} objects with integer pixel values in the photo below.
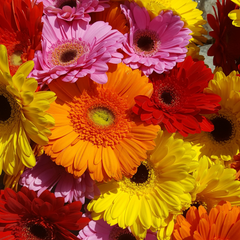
[{"x": 101, "y": 116}]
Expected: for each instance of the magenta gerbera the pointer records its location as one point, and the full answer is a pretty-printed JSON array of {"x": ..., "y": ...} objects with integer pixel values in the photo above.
[
  {"x": 69, "y": 10},
  {"x": 71, "y": 52},
  {"x": 101, "y": 230},
  {"x": 154, "y": 45},
  {"x": 47, "y": 175}
]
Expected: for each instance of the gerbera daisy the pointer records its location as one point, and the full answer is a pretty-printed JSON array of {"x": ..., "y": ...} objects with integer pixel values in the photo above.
[
  {"x": 178, "y": 99},
  {"x": 235, "y": 14},
  {"x": 114, "y": 16},
  {"x": 101, "y": 230},
  {"x": 22, "y": 116},
  {"x": 154, "y": 45},
  {"x": 160, "y": 187},
  {"x": 95, "y": 129},
  {"x": 71, "y": 52},
  {"x": 235, "y": 164},
  {"x": 223, "y": 222},
  {"x": 47, "y": 175},
  {"x": 186, "y": 9},
  {"x": 225, "y": 49},
  {"x": 69, "y": 10},
  {"x": 223, "y": 143},
  {"x": 193, "y": 51},
  {"x": 23, "y": 215},
  {"x": 20, "y": 30},
  {"x": 214, "y": 184}
]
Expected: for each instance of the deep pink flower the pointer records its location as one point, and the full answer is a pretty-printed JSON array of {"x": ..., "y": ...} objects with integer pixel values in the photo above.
[
  {"x": 154, "y": 45},
  {"x": 46, "y": 175},
  {"x": 69, "y": 10},
  {"x": 101, "y": 230},
  {"x": 70, "y": 52}
]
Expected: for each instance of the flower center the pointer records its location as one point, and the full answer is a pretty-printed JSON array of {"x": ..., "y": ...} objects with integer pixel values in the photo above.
[
  {"x": 67, "y": 52},
  {"x": 6, "y": 109},
  {"x": 9, "y": 110},
  {"x": 33, "y": 229},
  {"x": 167, "y": 97},
  {"x": 118, "y": 233},
  {"x": 101, "y": 116},
  {"x": 223, "y": 129},
  {"x": 141, "y": 176},
  {"x": 70, "y": 3},
  {"x": 39, "y": 231},
  {"x": 16, "y": 59},
  {"x": 146, "y": 43},
  {"x": 143, "y": 181}
]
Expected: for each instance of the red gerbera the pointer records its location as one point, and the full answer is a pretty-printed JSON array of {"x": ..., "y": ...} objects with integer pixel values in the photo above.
[
  {"x": 225, "y": 49},
  {"x": 178, "y": 99},
  {"x": 20, "y": 30},
  {"x": 23, "y": 215}
]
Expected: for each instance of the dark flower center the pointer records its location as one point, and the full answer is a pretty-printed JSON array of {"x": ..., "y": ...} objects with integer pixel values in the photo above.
[
  {"x": 70, "y": 3},
  {"x": 145, "y": 43},
  {"x": 141, "y": 176},
  {"x": 126, "y": 236},
  {"x": 118, "y": 233},
  {"x": 39, "y": 231},
  {"x": 167, "y": 98},
  {"x": 223, "y": 129},
  {"x": 5, "y": 111},
  {"x": 68, "y": 56}
]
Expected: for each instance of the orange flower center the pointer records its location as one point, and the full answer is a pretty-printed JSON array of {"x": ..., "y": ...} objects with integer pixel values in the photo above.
[{"x": 100, "y": 117}]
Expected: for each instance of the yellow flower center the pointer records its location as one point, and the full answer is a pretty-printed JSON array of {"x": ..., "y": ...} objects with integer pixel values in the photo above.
[
  {"x": 16, "y": 59},
  {"x": 101, "y": 116},
  {"x": 67, "y": 52},
  {"x": 9, "y": 110}
]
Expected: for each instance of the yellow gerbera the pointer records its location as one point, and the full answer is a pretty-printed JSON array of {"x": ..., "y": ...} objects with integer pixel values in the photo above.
[
  {"x": 215, "y": 183},
  {"x": 224, "y": 142},
  {"x": 95, "y": 128},
  {"x": 186, "y": 9},
  {"x": 235, "y": 14},
  {"x": 159, "y": 188},
  {"x": 22, "y": 116}
]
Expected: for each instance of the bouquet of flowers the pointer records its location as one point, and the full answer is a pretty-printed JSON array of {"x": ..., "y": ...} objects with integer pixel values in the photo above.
[{"x": 112, "y": 126}]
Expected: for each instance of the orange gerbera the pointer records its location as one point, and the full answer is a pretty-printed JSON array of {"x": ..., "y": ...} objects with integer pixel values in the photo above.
[
  {"x": 114, "y": 16},
  {"x": 94, "y": 126},
  {"x": 223, "y": 223},
  {"x": 20, "y": 30}
]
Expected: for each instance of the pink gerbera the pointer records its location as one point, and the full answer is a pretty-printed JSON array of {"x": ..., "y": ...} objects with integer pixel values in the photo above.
[
  {"x": 71, "y": 52},
  {"x": 101, "y": 230},
  {"x": 47, "y": 175},
  {"x": 154, "y": 45},
  {"x": 73, "y": 9}
]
